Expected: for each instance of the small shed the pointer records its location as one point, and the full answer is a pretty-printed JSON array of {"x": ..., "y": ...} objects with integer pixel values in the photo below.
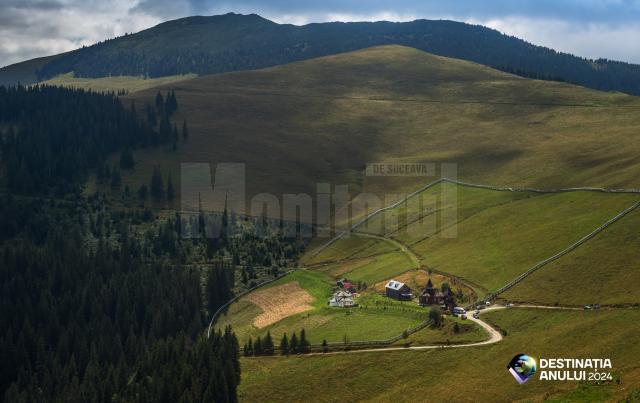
[{"x": 398, "y": 290}]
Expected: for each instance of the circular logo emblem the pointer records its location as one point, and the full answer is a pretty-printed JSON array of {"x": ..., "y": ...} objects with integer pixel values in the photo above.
[{"x": 522, "y": 367}]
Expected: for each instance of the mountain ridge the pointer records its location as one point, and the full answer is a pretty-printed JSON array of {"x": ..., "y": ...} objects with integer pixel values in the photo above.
[{"x": 233, "y": 42}]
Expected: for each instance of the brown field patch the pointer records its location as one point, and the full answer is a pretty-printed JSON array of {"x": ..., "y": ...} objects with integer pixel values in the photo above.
[{"x": 280, "y": 302}]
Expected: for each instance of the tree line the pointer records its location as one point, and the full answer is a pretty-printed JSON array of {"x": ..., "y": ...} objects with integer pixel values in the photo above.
[
  {"x": 52, "y": 137},
  {"x": 288, "y": 345}
]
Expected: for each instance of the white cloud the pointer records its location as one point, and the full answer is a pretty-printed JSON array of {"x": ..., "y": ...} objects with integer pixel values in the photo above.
[
  {"x": 28, "y": 31},
  {"x": 591, "y": 40}
]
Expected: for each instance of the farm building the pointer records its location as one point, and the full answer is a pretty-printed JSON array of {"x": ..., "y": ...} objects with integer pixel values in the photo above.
[
  {"x": 342, "y": 299},
  {"x": 433, "y": 296},
  {"x": 346, "y": 285},
  {"x": 397, "y": 290}
]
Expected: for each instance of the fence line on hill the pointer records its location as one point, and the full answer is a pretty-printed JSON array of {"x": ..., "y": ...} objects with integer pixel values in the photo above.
[
  {"x": 536, "y": 190},
  {"x": 565, "y": 251},
  {"x": 373, "y": 214},
  {"x": 370, "y": 343},
  {"x": 538, "y": 265},
  {"x": 472, "y": 185}
]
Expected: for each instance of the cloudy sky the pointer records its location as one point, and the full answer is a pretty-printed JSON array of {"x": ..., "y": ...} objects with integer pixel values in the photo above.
[{"x": 590, "y": 28}]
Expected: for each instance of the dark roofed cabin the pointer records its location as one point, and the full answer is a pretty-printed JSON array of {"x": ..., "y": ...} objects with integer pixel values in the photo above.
[{"x": 397, "y": 290}]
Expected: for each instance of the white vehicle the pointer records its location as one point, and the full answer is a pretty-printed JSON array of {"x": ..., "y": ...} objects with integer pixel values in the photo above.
[
  {"x": 459, "y": 311},
  {"x": 487, "y": 303}
]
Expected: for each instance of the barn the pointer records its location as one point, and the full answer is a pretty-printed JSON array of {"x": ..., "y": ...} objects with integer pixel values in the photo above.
[{"x": 398, "y": 290}]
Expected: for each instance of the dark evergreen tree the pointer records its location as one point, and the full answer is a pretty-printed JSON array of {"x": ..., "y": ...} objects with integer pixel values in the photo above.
[
  {"x": 293, "y": 344},
  {"x": 171, "y": 192},
  {"x": 267, "y": 345},
  {"x": 126, "y": 159},
  {"x": 156, "y": 187},
  {"x": 185, "y": 131},
  {"x": 303, "y": 344},
  {"x": 284, "y": 345},
  {"x": 116, "y": 180},
  {"x": 143, "y": 193}
]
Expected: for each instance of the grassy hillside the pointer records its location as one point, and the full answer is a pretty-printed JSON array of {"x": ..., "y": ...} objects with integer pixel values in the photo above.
[
  {"x": 114, "y": 84},
  {"x": 347, "y": 247},
  {"x": 462, "y": 374},
  {"x": 605, "y": 270},
  {"x": 489, "y": 237},
  {"x": 324, "y": 119},
  {"x": 497, "y": 244}
]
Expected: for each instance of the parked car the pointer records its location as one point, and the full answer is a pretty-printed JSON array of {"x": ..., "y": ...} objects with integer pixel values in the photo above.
[
  {"x": 463, "y": 317},
  {"x": 459, "y": 311},
  {"x": 487, "y": 303},
  {"x": 587, "y": 307},
  {"x": 509, "y": 305},
  {"x": 476, "y": 314},
  {"x": 479, "y": 307}
]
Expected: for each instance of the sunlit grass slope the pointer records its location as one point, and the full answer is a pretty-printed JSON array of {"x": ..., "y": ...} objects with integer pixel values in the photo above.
[
  {"x": 465, "y": 374},
  {"x": 114, "y": 84},
  {"x": 323, "y": 120},
  {"x": 605, "y": 270}
]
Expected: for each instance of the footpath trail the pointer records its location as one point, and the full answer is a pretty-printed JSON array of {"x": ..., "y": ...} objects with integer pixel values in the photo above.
[
  {"x": 494, "y": 335},
  {"x": 401, "y": 247}
]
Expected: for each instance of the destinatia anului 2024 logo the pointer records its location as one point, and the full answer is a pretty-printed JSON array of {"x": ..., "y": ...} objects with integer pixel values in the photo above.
[{"x": 522, "y": 367}]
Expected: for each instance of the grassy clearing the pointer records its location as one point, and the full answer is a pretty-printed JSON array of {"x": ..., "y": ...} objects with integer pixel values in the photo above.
[
  {"x": 605, "y": 270},
  {"x": 412, "y": 375},
  {"x": 116, "y": 83}
]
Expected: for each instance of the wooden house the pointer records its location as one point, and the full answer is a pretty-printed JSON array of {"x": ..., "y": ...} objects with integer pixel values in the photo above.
[{"x": 398, "y": 290}]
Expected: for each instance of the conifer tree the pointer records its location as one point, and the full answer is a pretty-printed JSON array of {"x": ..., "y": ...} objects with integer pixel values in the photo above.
[
  {"x": 303, "y": 344},
  {"x": 257, "y": 347},
  {"x": 293, "y": 344},
  {"x": 267, "y": 345},
  {"x": 284, "y": 345},
  {"x": 126, "y": 159},
  {"x": 185, "y": 131},
  {"x": 157, "y": 186},
  {"x": 116, "y": 180},
  {"x": 171, "y": 192}
]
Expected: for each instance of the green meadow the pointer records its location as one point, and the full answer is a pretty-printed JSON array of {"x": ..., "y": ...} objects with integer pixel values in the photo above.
[
  {"x": 605, "y": 270},
  {"x": 463, "y": 374}
]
